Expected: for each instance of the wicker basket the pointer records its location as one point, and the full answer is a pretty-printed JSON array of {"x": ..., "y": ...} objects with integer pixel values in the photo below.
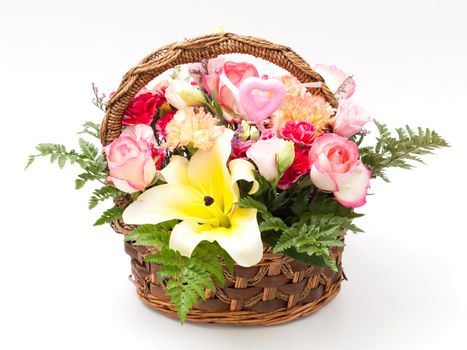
[{"x": 276, "y": 290}]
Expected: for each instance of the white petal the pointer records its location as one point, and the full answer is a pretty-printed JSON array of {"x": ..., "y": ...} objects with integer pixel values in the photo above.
[
  {"x": 242, "y": 240},
  {"x": 166, "y": 202},
  {"x": 264, "y": 154},
  {"x": 241, "y": 169},
  {"x": 353, "y": 187},
  {"x": 176, "y": 172},
  {"x": 185, "y": 237},
  {"x": 322, "y": 180}
]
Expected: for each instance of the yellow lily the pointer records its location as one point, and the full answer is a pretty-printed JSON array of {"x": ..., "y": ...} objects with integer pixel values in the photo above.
[{"x": 201, "y": 192}]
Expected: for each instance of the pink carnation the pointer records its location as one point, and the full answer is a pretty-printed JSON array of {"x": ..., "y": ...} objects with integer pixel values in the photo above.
[{"x": 301, "y": 132}]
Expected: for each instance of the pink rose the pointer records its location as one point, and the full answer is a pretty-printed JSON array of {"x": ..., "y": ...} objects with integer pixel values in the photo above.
[
  {"x": 341, "y": 84},
  {"x": 301, "y": 132},
  {"x": 335, "y": 167},
  {"x": 236, "y": 72},
  {"x": 130, "y": 159},
  {"x": 350, "y": 118}
]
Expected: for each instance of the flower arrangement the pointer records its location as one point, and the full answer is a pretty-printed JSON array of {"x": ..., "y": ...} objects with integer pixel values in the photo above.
[{"x": 217, "y": 163}]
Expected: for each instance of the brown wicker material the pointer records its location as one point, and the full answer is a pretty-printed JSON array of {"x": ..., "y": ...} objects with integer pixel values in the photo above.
[{"x": 276, "y": 290}]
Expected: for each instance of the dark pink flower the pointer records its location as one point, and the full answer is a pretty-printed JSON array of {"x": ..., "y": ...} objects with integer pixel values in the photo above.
[
  {"x": 301, "y": 132},
  {"x": 267, "y": 134},
  {"x": 300, "y": 166},
  {"x": 142, "y": 108},
  {"x": 239, "y": 150},
  {"x": 163, "y": 121},
  {"x": 160, "y": 154}
]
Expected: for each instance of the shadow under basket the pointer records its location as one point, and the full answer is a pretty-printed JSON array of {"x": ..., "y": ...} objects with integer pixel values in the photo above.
[{"x": 276, "y": 290}]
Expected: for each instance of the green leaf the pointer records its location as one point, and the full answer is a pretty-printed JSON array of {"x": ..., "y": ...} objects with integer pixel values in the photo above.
[
  {"x": 325, "y": 203},
  {"x": 109, "y": 216},
  {"x": 79, "y": 183},
  {"x": 249, "y": 202},
  {"x": 400, "y": 150},
  {"x": 89, "y": 150},
  {"x": 186, "y": 278},
  {"x": 273, "y": 224},
  {"x": 314, "y": 260},
  {"x": 314, "y": 235},
  {"x": 103, "y": 193},
  {"x": 30, "y": 161},
  {"x": 90, "y": 128},
  {"x": 152, "y": 235}
]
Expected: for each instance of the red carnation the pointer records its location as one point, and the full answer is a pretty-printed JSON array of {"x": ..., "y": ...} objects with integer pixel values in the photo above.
[
  {"x": 142, "y": 108},
  {"x": 239, "y": 150},
  {"x": 300, "y": 166},
  {"x": 161, "y": 124},
  {"x": 160, "y": 154},
  {"x": 301, "y": 132}
]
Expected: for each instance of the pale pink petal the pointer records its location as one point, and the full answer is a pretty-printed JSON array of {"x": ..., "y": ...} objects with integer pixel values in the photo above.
[
  {"x": 149, "y": 170},
  {"x": 132, "y": 170},
  {"x": 122, "y": 149},
  {"x": 353, "y": 186},
  {"x": 322, "y": 180},
  {"x": 140, "y": 132},
  {"x": 122, "y": 185},
  {"x": 335, "y": 78}
]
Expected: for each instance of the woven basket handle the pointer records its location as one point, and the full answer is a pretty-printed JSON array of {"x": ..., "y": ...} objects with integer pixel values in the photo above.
[{"x": 194, "y": 50}]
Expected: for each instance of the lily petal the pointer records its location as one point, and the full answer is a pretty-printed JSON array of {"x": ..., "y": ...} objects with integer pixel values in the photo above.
[
  {"x": 168, "y": 202},
  {"x": 208, "y": 173},
  {"x": 176, "y": 172},
  {"x": 242, "y": 240},
  {"x": 353, "y": 187},
  {"x": 186, "y": 236},
  {"x": 241, "y": 169}
]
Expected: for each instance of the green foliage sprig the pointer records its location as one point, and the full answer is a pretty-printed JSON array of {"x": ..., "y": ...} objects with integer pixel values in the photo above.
[
  {"x": 91, "y": 161},
  {"x": 399, "y": 151},
  {"x": 185, "y": 278}
]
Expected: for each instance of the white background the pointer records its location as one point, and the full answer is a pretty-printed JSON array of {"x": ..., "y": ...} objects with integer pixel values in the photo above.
[{"x": 63, "y": 283}]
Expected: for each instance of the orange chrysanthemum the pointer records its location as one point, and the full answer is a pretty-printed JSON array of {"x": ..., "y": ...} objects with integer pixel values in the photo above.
[{"x": 311, "y": 108}]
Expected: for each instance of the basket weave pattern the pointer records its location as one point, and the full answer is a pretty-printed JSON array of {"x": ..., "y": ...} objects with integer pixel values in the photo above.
[{"x": 276, "y": 290}]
